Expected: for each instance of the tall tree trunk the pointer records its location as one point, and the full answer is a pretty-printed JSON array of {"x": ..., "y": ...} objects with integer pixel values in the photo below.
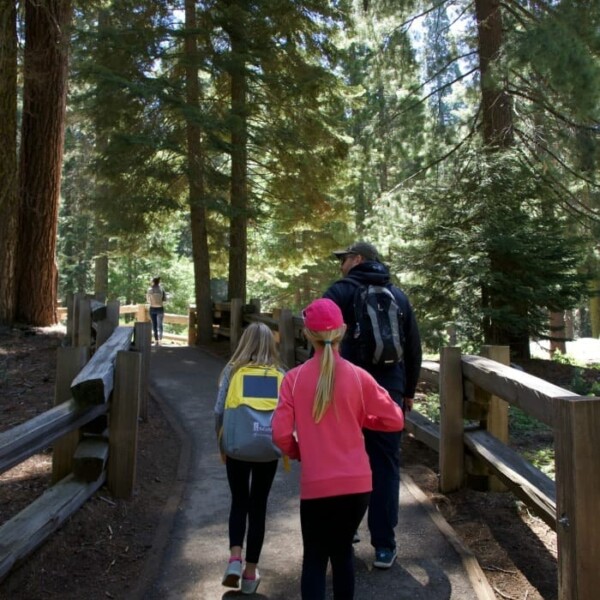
[
  {"x": 595, "y": 307},
  {"x": 557, "y": 333},
  {"x": 196, "y": 182},
  {"x": 101, "y": 241},
  {"x": 238, "y": 232},
  {"x": 497, "y": 126},
  {"x": 495, "y": 102},
  {"x": 42, "y": 140},
  {"x": 9, "y": 200}
]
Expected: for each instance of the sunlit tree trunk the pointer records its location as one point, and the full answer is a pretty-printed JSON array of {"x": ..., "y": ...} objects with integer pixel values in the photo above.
[
  {"x": 196, "y": 182},
  {"x": 557, "y": 333},
  {"x": 8, "y": 160},
  {"x": 44, "y": 99}
]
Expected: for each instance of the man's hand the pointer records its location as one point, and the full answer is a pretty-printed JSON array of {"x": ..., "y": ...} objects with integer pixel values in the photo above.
[{"x": 408, "y": 404}]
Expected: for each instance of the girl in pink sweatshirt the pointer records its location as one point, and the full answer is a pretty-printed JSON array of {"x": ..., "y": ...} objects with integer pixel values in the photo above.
[{"x": 323, "y": 406}]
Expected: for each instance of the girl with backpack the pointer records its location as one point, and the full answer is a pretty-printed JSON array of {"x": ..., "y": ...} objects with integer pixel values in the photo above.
[
  {"x": 323, "y": 406},
  {"x": 249, "y": 480}
]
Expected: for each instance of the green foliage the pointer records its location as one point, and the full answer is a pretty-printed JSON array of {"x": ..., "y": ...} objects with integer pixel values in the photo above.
[
  {"x": 580, "y": 385},
  {"x": 429, "y": 406},
  {"x": 542, "y": 458},
  {"x": 479, "y": 257}
]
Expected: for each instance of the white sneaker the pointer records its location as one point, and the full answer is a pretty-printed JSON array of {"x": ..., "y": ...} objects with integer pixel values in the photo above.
[
  {"x": 232, "y": 575},
  {"x": 249, "y": 586}
]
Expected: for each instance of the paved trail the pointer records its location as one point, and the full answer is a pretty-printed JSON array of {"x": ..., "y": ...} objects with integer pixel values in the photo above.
[{"x": 192, "y": 541}]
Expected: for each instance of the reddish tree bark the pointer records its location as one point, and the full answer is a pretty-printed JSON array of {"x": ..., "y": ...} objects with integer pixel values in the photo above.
[
  {"x": 42, "y": 135},
  {"x": 9, "y": 206},
  {"x": 497, "y": 119}
]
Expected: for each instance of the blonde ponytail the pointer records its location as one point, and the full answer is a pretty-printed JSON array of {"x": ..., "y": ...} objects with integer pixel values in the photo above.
[{"x": 324, "y": 392}]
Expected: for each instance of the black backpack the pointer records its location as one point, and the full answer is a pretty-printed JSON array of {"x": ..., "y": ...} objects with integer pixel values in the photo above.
[{"x": 377, "y": 337}]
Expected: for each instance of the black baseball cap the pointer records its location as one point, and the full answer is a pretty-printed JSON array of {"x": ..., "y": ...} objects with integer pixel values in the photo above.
[{"x": 366, "y": 250}]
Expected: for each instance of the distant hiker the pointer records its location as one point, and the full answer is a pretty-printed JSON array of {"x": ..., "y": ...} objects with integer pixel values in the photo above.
[
  {"x": 155, "y": 297},
  {"x": 383, "y": 338},
  {"x": 324, "y": 405},
  {"x": 249, "y": 480}
]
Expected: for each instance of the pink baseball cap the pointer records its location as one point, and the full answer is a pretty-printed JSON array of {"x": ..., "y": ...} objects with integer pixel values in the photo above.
[{"x": 322, "y": 315}]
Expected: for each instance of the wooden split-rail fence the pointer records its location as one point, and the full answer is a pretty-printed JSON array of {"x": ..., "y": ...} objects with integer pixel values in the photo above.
[
  {"x": 92, "y": 427},
  {"x": 472, "y": 436}
]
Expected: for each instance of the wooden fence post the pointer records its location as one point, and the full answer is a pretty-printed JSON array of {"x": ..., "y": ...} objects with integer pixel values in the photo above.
[
  {"x": 451, "y": 420},
  {"x": 577, "y": 448},
  {"x": 69, "y": 361},
  {"x": 75, "y": 318},
  {"x": 105, "y": 328},
  {"x": 142, "y": 314},
  {"x": 143, "y": 343},
  {"x": 235, "y": 323},
  {"x": 69, "y": 332},
  {"x": 497, "y": 415},
  {"x": 124, "y": 424},
  {"x": 287, "y": 351},
  {"x": 84, "y": 323}
]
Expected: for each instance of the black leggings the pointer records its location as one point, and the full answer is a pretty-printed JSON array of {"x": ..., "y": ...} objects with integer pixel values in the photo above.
[
  {"x": 250, "y": 484},
  {"x": 328, "y": 526}
]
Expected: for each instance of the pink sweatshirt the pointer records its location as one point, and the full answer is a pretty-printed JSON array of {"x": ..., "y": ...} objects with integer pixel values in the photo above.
[{"x": 334, "y": 461}]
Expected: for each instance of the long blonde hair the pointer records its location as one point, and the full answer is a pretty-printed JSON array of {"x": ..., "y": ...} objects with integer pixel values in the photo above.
[
  {"x": 324, "y": 393},
  {"x": 256, "y": 347}
]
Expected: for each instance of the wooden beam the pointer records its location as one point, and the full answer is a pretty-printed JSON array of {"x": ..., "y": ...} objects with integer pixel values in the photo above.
[
  {"x": 95, "y": 382},
  {"x": 532, "y": 486},
  {"x": 27, "y": 530},
  {"x": 577, "y": 448},
  {"x": 422, "y": 429},
  {"x": 430, "y": 372},
  {"x": 27, "y": 439},
  {"x": 90, "y": 459},
  {"x": 532, "y": 394}
]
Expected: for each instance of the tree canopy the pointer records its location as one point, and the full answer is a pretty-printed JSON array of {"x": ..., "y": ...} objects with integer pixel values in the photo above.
[{"x": 248, "y": 139}]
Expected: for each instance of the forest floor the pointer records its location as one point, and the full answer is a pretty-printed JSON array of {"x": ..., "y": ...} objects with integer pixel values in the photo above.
[{"x": 101, "y": 551}]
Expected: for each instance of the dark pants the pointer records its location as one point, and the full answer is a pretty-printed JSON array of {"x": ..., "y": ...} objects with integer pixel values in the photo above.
[
  {"x": 383, "y": 449},
  {"x": 250, "y": 484},
  {"x": 328, "y": 526},
  {"x": 157, "y": 315}
]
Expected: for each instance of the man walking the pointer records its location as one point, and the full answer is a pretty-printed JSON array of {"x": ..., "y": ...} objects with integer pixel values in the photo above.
[{"x": 361, "y": 267}]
